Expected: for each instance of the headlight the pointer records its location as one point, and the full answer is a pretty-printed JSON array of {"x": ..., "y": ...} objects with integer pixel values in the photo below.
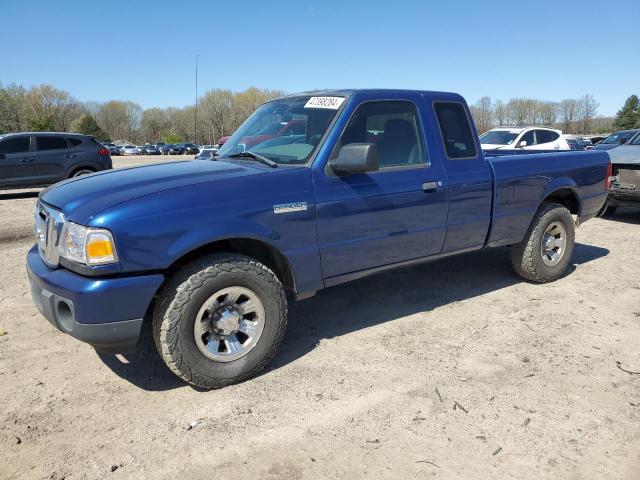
[{"x": 91, "y": 246}]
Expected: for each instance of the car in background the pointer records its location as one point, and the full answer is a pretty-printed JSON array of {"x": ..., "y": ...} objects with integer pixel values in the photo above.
[
  {"x": 113, "y": 148},
  {"x": 130, "y": 150},
  {"x": 616, "y": 139},
  {"x": 223, "y": 140},
  {"x": 150, "y": 150},
  {"x": 39, "y": 159},
  {"x": 577, "y": 142},
  {"x": 207, "y": 154},
  {"x": 526, "y": 138},
  {"x": 625, "y": 180},
  {"x": 171, "y": 149},
  {"x": 596, "y": 138},
  {"x": 189, "y": 148},
  {"x": 278, "y": 129}
]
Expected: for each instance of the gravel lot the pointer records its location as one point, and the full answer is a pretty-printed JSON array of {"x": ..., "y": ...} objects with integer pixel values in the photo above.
[{"x": 455, "y": 369}]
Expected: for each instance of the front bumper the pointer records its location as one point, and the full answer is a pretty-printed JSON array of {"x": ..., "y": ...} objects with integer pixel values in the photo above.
[{"x": 106, "y": 313}]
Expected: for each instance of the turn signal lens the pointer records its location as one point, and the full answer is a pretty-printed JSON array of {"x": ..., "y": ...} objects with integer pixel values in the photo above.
[
  {"x": 99, "y": 248},
  {"x": 87, "y": 245}
]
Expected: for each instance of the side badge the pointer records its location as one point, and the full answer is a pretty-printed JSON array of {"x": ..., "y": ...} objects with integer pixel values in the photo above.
[{"x": 290, "y": 207}]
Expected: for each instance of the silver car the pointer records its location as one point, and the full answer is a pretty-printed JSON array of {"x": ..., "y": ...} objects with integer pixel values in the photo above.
[{"x": 130, "y": 150}]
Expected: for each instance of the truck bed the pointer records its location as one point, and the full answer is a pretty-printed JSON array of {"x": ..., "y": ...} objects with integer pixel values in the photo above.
[{"x": 523, "y": 180}]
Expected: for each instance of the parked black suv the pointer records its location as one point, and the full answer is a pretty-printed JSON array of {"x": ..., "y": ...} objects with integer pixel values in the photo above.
[{"x": 39, "y": 159}]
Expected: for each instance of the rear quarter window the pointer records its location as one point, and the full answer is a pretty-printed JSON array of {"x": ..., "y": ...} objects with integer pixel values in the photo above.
[
  {"x": 546, "y": 136},
  {"x": 51, "y": 143},
  {"x": 455, "y": 130},
  {"x": 74, "y": 142}
]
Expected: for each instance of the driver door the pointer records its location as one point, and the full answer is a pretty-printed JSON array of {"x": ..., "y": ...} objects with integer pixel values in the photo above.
[{"x": 395, "y": 214}]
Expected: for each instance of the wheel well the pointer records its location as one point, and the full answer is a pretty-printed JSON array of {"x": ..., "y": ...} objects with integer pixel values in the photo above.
[
  {"x": 260, "y": 251},
  {"x": 566, "y": 197},
  {"x": 77, "y": 169}
]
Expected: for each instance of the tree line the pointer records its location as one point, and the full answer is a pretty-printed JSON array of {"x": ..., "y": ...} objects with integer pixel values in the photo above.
[
  {"x": 46, "y": 108},
  {"x": 570, "y": 115},
  {"x": 220, "y": 112}
]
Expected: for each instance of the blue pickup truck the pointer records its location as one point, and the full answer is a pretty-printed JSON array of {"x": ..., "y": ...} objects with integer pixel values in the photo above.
[{"x": 210, "y": 252}]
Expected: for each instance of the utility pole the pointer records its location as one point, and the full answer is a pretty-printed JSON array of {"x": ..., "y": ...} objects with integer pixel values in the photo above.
[{"x": 195, "y": 117}]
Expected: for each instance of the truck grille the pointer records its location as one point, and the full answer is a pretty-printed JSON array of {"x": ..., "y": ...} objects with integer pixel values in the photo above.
[{"x": 48, "y": 227}]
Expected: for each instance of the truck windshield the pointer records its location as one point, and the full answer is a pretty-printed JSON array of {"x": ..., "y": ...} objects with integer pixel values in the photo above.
[
  {"x": 286, "y": 130},
  {"x": 498, "y": 137}
]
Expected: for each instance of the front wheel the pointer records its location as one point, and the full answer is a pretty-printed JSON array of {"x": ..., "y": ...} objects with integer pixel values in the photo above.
[
  {"x": 545, "y": 252},
  {"x": 220, "y": 320}
]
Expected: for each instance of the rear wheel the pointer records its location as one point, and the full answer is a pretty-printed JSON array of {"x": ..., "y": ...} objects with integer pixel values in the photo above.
[
  {"x": 220, "y": 320},
  {"x": 545, "y": 252},
  {"x": 82, "y": 171}
]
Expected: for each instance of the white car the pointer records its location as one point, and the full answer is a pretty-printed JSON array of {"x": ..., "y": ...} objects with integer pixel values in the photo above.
[
  {"x": 130, "y": 150},
  {"x": 527, "y": 138}
]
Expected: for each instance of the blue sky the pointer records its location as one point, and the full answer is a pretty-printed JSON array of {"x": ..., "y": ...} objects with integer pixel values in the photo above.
[{"x": 144, "y": 50}]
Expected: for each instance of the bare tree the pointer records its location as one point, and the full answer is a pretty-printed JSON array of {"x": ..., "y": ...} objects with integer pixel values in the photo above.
[
  {"x": 48, "y": 108},
  {"x": 548, "y": 113},
  {"x": 12, "y": 108},
  {"x": 121, "y": 120},
  {"x": 587, "y": 111},
  {"x": 216, "y": 106},
  {"x": 517, "y": 111},
  {"x": 154, "y": 125},
  {"x": 569, "y": 109},
  {"x": 482, "y": 114},
  {"x": 500, "y": 113}
]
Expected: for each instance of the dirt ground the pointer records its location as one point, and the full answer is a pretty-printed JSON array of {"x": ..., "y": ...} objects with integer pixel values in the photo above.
[{"x": 455, "y": 369}]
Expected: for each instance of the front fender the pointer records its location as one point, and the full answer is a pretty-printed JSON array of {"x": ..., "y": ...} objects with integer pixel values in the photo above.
[
  {"x": 153, "y": 231},
  {"x": 231, "y": 229}
]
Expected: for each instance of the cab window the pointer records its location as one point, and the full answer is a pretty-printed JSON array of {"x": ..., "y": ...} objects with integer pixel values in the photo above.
[
  {"x": 457, "y": 138},
  {"x": 393, "y": 126}
]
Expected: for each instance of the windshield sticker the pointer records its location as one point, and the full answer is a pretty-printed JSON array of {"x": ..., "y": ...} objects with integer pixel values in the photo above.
[{"x": 332, "y": 103}]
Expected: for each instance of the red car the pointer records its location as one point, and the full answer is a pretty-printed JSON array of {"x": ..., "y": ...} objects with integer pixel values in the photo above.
[{"x": 292, "y": 127}]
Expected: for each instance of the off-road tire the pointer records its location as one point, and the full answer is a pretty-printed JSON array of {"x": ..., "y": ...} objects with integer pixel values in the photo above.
[
  {"x": 178, "y": 304},
  {"x": 526, "y": 256}
]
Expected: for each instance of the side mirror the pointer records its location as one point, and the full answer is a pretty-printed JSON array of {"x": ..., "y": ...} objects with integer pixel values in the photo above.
[
  {"x": 522, "y": 143},
  {"x": 356, "y": 158}
]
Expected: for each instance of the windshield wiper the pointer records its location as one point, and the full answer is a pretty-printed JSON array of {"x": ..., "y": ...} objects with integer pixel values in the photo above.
[{"x": 254, "y": 156}]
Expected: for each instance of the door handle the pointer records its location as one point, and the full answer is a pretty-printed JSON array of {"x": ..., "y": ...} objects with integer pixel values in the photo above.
[
  {"x": 69, "y": 156},
  {"x": 26, "y": 160},
  {"x": 431, "y": 186}
]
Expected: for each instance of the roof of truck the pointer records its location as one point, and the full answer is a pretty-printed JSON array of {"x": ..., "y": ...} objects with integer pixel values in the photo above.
[{"x": 347, "y": 92}]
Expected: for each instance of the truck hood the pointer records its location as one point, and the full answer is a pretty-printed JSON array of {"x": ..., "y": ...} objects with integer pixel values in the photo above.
[
  {"x": 625, "y": 154},
  {"x": 84, "y": 197}
]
